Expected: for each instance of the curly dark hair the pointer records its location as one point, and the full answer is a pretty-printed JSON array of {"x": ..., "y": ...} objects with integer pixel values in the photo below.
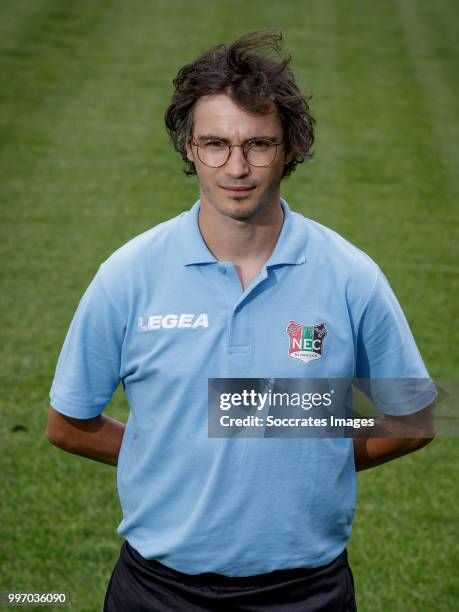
[{"x": 254, "y": 80}]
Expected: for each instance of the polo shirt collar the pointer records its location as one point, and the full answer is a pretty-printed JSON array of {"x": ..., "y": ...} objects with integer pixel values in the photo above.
[{"x": 290, "y": 247}]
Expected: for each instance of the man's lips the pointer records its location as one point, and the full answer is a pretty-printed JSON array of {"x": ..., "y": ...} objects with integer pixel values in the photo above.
[{"x": 239, "y": 189}]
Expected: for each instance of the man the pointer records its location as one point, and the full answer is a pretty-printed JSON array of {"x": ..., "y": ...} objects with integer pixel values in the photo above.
[{"x": 222, "y": 291}]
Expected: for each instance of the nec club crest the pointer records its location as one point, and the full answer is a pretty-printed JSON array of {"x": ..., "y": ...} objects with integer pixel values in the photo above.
[{"x": 306, "y": 341}]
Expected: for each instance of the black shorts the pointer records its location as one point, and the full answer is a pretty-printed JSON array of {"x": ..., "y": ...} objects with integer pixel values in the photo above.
[{"x": 141, "y": 585}]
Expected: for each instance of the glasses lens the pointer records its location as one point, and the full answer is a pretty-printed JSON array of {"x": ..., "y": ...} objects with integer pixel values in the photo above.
[
  {"x": 214, "y": 154},
  {"x": 261, "y": 153}
]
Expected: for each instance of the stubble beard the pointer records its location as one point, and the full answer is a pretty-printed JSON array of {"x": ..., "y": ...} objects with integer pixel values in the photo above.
[{"x": 242, "y": 212}]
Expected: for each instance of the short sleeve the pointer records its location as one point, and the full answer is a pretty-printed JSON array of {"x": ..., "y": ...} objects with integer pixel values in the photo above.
[
  {"x": 88, "y": 370},
  {"x": 389, "y": 366}
]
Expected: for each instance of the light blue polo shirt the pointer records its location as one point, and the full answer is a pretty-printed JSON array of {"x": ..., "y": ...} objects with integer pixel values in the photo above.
[{"x": 162, "y": 316}]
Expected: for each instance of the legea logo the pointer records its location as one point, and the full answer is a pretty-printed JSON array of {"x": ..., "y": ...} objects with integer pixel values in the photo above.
[{"x": 146, "y": 323}]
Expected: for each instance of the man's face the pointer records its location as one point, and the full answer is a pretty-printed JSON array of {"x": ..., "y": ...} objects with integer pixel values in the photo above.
[{"x": 236, "y": 189}]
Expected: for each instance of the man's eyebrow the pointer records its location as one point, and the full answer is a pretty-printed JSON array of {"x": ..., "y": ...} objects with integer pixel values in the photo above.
[{"x": 215, "y": 137}]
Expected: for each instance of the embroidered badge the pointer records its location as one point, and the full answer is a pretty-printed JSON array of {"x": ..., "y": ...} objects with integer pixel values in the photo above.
[{"x": 306, "y": 341}]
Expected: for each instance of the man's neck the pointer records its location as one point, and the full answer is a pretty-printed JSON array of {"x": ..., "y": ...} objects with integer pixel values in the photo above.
[
  {"x": 248, "y": 243},
  {"x": 241, "y": 241}
]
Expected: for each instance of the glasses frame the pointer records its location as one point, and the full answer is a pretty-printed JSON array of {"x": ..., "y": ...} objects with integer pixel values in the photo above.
[{"x": 244, "y": 152}]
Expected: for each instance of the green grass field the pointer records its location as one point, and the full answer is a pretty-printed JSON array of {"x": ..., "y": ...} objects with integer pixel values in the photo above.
[{"x": 86, "y": 165}]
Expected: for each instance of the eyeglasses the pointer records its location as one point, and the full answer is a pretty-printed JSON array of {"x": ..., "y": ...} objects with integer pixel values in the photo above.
[{"x": 258, "y": 152}]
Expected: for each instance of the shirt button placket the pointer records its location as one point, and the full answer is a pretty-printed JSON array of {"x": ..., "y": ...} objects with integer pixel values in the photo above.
[{"x": 239, "y": 338}]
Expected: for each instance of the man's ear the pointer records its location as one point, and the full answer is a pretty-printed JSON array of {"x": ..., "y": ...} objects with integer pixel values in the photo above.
[
  {"x": 189, "y": 152},
  {"x": 289, "y": 157}
]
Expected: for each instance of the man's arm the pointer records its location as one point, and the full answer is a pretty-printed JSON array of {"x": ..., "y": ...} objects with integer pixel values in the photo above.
[
  {"x": 98, "y": 438},
  {"x": 398, "y": 436}
]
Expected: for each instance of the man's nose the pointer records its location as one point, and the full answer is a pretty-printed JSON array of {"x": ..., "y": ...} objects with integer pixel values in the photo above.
[{"x": 237, "y": 165}]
